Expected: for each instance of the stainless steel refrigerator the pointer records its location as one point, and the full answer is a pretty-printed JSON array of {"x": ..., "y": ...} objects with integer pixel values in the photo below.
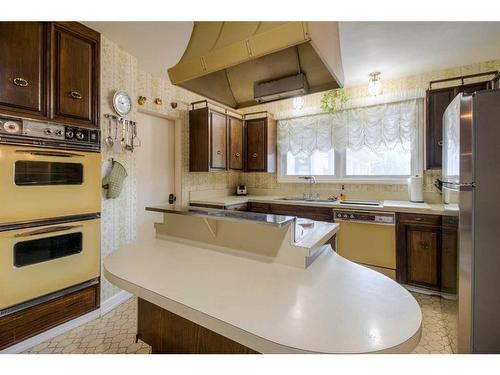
[{"x": 471, "y": 173}]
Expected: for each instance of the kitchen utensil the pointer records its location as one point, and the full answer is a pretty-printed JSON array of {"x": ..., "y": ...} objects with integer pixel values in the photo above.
[
  {"x": 128, "y": 136},
  {"x": 305, "y": 222},
  {"x": 135, "y": 137},
  {"x": 117, "y": 147},
  {"x": 109, "y": 140}
]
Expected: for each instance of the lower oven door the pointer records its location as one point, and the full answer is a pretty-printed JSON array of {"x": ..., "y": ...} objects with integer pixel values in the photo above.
[
  {"x": 370, "y": 244},
  {"x": 40, "y": 260},
  {"x": 42, "y": 183}
]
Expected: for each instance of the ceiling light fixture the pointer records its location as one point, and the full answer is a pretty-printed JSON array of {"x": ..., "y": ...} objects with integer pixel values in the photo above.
[
  {"x": 298, "y": 102},
  {"x": 374, "y": 84}
]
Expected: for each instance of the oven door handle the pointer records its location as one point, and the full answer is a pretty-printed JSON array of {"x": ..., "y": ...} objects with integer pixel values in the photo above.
[
  {"x": 50, "y": 153},
  {"x": 60, "y": 228}
]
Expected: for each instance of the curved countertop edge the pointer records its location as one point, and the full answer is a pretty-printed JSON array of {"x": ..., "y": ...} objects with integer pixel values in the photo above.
[
  {"x": 387, "y": 205},
  {"x": 229, "y": 330},
  {"x": 232, "y": 332}
]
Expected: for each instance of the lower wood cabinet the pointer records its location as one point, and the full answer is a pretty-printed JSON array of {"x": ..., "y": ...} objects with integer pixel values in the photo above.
[
  {"x": 308, "y": 212},
  {"x": 427, "y": 251}
]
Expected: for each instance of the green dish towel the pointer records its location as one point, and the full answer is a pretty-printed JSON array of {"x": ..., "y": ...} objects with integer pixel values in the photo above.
[{"x": 113, "y": 181}]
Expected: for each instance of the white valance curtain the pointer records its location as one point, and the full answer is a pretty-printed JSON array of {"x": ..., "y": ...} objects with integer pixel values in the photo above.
[{"x": 378, "y": 126}]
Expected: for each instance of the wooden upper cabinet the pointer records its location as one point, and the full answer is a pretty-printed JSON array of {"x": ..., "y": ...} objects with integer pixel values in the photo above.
[
  {"x": 207, "y": 140},
  {"x": 235, "y": 150},
  {"x": 76, "y": 79},
  {"x": 437, "y": 101},
  {"x": 23, "y": 68},
  {"x": 218, "y": 137},
  {"x": 260, "y": 139}
]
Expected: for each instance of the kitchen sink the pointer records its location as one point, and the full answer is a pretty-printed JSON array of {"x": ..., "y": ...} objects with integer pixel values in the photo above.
[{"x": 300, "y": 199}]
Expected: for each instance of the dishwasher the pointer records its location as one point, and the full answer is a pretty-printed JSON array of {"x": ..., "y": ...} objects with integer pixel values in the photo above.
[{"x": 368, "y": 238}]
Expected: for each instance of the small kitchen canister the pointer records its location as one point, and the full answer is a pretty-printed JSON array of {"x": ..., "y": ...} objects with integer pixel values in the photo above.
[{"x": 415, "y": 192}]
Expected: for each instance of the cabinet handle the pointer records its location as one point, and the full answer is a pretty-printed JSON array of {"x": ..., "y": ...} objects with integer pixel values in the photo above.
[
  {"x": 254, "y": 155},
  {"x": 440, "y": 143},
  {"x": 219, "y": 152},
  {"x": 237, "y": 154},
  {"x": 75, "y": 95},
  {"x": 424, "y": 245},
  {"x": 21, "y": 82}
]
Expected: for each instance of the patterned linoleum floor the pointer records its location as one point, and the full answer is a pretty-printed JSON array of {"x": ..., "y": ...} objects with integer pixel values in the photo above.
[{"x": 115, "y": 332}]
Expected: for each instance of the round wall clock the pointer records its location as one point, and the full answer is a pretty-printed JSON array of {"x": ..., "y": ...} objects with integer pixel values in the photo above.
[{"x": 122, "y": 103}]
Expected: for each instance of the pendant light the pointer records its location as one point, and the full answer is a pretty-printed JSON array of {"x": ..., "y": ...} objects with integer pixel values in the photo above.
[{"x": 374, "y": 84}]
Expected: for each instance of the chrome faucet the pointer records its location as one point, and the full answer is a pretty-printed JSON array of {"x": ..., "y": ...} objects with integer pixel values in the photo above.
[{"x": 312, "y": 180}]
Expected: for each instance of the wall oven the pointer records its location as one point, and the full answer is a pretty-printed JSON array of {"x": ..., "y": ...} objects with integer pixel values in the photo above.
[
  {"x": 47, "y": 170},
  {"x": 41, "y": 257},
  {"x": 50, "y": 199}
]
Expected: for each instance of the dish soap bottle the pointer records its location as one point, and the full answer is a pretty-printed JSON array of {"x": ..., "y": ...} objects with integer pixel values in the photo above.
[{"x": 343, "y": 195}]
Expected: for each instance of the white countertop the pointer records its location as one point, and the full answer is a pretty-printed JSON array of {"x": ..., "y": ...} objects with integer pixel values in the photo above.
[
  {"x": 387, "y": 205},
  {"x": 333, "y": 306}
]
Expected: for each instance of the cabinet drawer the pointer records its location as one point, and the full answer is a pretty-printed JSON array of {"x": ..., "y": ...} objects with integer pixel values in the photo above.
[
  {"x": 237, "y": 207},
  {"x": 410, "y": 218},
  {"x": 313, "y": 213},
  {"x": 450, "y": 221},
  {"x": 258, "y": 207}
]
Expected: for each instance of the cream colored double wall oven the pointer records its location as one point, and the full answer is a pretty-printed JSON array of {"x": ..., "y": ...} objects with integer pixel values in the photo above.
[{"x": 49, "y": 211}]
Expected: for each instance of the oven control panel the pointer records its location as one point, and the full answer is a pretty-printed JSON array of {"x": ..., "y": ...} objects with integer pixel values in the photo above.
[
  {"x": 35, "y": 132},
  {"x": 365, "y": 216}
]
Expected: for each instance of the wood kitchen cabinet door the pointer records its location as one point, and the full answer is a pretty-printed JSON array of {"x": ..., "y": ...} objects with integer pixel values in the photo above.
[
  {"x": 423, "y": 256},
  {"x": 218, "y": 140},
  {"x": 235, "y": 129},
  {"x": 256, "y": 145},
  {"x": 75, "y": 59},
  {"x": 23, "y": 68}
]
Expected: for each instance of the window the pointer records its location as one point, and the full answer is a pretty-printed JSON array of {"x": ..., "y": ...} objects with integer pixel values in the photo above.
[
  {"x": 373, "y": 144},
  {"x": 386, "y": 162},
  {"x": 319, "y": 164}
]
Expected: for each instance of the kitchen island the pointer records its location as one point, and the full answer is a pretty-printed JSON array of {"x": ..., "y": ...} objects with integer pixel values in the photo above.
[{"x": 229, "y": 297}]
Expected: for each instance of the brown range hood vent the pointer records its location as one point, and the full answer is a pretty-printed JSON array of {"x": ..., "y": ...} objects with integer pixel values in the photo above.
[{"x": 240, "y": 64}]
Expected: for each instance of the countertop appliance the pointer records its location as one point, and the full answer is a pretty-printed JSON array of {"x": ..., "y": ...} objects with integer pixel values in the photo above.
[
  {"x": 241, "y": 190},
  {"x": 368, "y": 238},
  {"x": 471, "y": 168}
]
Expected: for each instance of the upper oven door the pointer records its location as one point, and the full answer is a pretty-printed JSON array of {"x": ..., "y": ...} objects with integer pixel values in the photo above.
[
  {"x": 38, "y": 183},
  {"x": 40, "y": 260}
]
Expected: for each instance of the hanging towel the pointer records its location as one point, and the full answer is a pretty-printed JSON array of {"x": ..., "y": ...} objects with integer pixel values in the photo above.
[{"x": 113, "y": 181}]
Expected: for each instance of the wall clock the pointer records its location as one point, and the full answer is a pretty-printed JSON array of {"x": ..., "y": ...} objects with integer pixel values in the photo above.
[{"x": 122, "y": 103}]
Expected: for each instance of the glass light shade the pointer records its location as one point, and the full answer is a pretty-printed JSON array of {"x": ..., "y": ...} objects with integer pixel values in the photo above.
[
  {"x": 298, "y": 102},
  {"x": 374, "y": 84}
]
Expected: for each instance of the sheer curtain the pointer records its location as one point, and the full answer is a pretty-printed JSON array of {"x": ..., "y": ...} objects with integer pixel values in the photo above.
[{"x": 382, "y": 126}]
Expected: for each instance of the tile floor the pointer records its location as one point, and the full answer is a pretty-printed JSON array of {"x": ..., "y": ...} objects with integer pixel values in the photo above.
[{"x": 115, "y": 332}]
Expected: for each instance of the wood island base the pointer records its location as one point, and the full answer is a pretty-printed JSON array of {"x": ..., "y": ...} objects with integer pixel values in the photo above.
[{"x": 167, "y": 332}]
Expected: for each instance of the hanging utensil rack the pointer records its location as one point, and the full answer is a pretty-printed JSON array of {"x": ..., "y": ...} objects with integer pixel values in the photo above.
[{"x": 128, "y": 131}]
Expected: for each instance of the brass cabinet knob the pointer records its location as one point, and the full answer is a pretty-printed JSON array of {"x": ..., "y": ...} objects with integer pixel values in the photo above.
[
  {"x": 237, "y": 154},
  {"x": 21, "y": 82},
  {"x": 75, "y": 95},
  {"x": 424, "y": 245},
  {"x": 254, "y": 155},
  {"x": 219, "y": 152}
]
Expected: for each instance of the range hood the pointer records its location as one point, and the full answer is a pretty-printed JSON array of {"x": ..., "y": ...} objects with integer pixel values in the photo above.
[{"x": 240, "y": 64}]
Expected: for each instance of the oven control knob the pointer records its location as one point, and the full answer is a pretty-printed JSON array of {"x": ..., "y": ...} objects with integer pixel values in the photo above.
[
  {"x": 345, "y": 216},
  {"x": 58, "y": 132},
  {"x": 48, "y": 131},
  {"x": 79, "y": 135},
  {"x": 339, "y": 215},
  {"x": 69, "y": 134},
  {"x": 352, "y": 216}
]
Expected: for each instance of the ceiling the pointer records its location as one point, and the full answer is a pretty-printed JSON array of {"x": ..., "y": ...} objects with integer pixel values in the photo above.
[
  {"x": 396, "y": 49},
  {"x": 399, "y": 49},
  {"x": 157, "y": 45}
]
